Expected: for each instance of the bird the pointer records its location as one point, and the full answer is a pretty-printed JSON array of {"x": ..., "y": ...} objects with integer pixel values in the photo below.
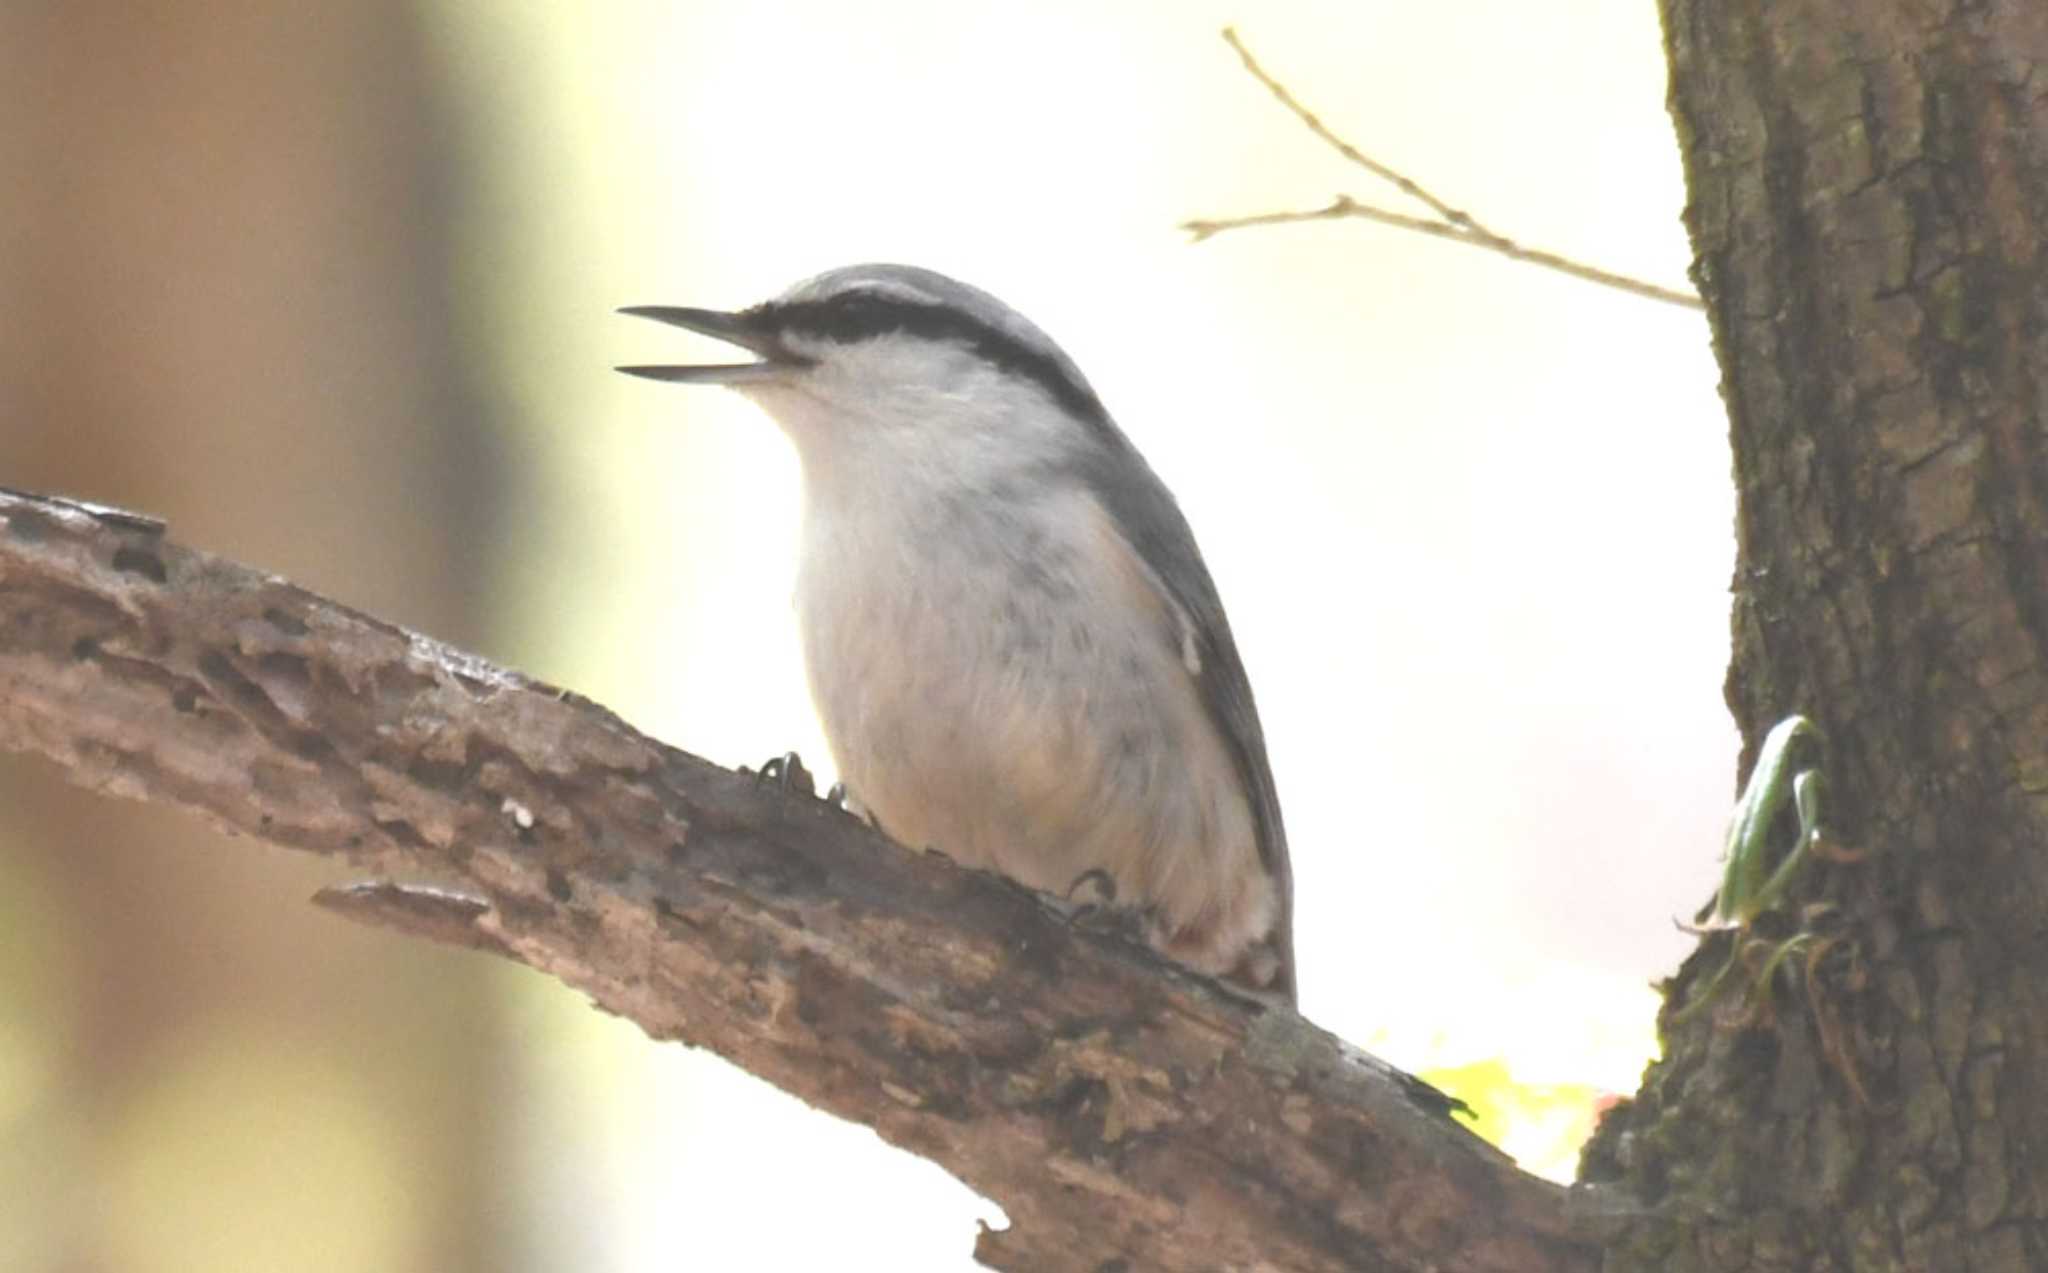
[{"x": 1013, "y": 644}]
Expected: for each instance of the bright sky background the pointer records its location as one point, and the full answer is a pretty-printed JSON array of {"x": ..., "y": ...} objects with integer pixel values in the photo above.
[{"x": 1472, "y": 519}]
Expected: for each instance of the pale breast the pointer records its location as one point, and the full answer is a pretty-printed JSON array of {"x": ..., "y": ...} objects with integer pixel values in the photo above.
[{"x": 1000, "y": 681}]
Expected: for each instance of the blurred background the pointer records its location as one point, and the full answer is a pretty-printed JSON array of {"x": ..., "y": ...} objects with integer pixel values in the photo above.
[{"x": 331, "y": 288}]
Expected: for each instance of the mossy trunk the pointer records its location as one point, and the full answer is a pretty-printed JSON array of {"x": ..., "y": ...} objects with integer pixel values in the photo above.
[{"x": 1869, "y": 212}]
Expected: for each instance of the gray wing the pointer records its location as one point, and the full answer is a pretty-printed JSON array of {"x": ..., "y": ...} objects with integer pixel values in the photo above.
[{"x": 1150, "y": 520}]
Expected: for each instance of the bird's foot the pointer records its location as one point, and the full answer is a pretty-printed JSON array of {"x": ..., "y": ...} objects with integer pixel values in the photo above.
[
  {"x": 839, "y": 796},
  {"x": 787, "y": 772},
  {"x": 1090, "y": 903},
  {"x": 1098, "y": 882}
]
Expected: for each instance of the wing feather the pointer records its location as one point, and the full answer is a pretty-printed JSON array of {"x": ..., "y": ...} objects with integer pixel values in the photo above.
[{"x": 1146, "y": 515}]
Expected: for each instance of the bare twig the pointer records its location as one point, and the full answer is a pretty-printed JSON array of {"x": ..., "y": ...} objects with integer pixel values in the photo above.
[
  {"x": 1344, "y": 206},
  {"x": 1122, "y": 1112},
  {"x": 1315, "y": 125},
  {"x": 1450, "y": 222}
]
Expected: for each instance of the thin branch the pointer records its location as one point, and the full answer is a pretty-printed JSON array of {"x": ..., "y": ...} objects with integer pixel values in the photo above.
[
  {"x": 1123, "y": 1112},
  {"x": 1315, "y": 125},
  {"x": 1344, "y": 206},
  {"x": 1450, "y": 223}
]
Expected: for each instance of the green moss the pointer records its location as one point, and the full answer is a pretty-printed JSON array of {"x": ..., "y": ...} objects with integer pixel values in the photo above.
[{"x": 1945, "y": 301}]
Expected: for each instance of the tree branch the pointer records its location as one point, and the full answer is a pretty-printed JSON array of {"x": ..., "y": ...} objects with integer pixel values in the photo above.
[
  {"x": 1116, "y": 1107},
  {"x": 1450, "y": 223},
  {"x": 1345, "y": 207}
]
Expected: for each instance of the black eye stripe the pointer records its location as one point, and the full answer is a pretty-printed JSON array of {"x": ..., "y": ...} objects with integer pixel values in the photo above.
[{"x": 852, "y": 317}]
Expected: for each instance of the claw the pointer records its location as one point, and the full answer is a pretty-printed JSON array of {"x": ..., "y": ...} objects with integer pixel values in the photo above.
[
  {"x": 1099, "y": 913},
  {"x": 1099, "y": 878},
  {"x": 787, "y": 772},
  {"x": 841, "y": 797}
]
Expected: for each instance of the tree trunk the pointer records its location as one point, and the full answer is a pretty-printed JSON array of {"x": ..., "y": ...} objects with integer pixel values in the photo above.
[{"x": 1868, "y": 204}]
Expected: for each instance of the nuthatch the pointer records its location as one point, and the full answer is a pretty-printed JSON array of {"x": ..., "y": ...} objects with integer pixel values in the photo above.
[{"x": 1012, "y": 641}]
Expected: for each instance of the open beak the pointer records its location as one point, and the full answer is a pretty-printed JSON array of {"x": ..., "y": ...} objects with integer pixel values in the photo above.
[{"x": 732, "y": 328}]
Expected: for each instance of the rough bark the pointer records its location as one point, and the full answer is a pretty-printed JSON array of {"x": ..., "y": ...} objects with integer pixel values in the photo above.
[
  {"x": 1868, "y": 187},
  {"x": 1123, "y": 1113}
]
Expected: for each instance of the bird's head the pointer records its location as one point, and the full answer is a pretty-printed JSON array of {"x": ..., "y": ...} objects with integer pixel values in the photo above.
[{"x": 892, "y": 359}]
